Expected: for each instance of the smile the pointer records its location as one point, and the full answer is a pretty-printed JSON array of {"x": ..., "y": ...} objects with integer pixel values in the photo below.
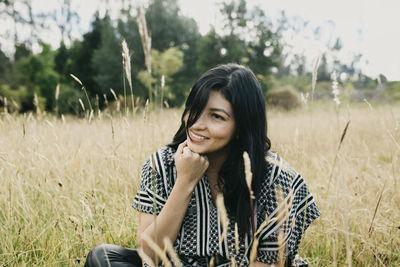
[{"x": 196, "y": 137}]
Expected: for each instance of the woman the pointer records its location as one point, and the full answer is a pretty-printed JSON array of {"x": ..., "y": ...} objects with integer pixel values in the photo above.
[{"x": 224, "y": 117}]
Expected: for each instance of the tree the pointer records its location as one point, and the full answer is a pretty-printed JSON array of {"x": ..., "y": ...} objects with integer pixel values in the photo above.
[
  {"x": 107, "y": 61},
  {"x": 128, "y": 28},
  {"x": 5, "y": 68},
  {"x": 64, "y": 18},
  {"x": 209, "y": 50},
  {"x": 36, "y": 72},
  {"x": 170, "y": 29},
  {"x": 22, "y": 15},
  {"x": 235, "y": 16},
  {"x": 215, "y": 49},
  {"x": 61, "y": 60},
  {"x": 164, "y": 64},
  {"x": 81, "y": 54},
  {"x": 323, "y": 70},
  {"x": 21, "y": 51},
  {"x": 263, "y": 48},
  {"x": 248, "y": 40}
]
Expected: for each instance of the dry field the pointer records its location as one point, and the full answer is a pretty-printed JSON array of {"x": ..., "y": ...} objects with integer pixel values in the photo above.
[{"x": 67, "y": 185}]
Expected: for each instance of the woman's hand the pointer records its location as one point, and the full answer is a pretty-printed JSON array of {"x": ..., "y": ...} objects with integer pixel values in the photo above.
[
  {"x": 190, "y": 166},
  {"x": 190, "y": 169}
]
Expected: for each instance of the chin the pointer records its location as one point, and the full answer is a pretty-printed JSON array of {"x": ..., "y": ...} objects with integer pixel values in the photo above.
[{"x": 195, "y": 148}]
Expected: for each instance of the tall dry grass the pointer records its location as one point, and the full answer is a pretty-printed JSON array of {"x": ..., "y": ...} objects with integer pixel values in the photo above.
[{"x": 67, "y": 186}]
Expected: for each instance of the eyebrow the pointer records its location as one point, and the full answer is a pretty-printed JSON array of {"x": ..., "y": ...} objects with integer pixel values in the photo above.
[{"x": 221, "y": 110}]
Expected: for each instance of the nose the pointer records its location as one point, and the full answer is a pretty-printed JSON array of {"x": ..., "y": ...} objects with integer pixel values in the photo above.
[{"x": 200, "y": 124}]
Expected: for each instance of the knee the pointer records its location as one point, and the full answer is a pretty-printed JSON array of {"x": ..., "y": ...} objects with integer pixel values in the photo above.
[
  {"x": 102, "y": 249},
  {"x": 96, "y": 256}
]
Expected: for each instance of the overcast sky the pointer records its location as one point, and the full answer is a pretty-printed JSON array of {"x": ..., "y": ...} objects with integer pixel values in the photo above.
[{"x": 369, "y": 27}]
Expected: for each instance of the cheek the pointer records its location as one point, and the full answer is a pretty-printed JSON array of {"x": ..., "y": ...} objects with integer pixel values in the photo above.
[
  {"x": 185, "y": 118},
  {"x": 225, "y": 132}
]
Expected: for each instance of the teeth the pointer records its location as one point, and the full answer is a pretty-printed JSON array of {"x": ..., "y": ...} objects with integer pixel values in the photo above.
[{"x": 198, "y": 137}]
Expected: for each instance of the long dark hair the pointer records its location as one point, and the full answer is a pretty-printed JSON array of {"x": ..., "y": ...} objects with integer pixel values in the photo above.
[{"x": 241, "y": 88}]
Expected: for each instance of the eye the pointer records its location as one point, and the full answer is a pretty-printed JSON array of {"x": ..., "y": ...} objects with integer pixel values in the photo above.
[{"x": 217, "y": 116}]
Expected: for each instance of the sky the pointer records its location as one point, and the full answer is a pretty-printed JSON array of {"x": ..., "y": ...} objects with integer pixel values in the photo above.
[{"x": 369, "y": 27}]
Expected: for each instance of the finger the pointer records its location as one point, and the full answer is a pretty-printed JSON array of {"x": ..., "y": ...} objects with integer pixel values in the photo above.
[
  {"x": 184, "y": 143},
  {"x": 206, "y": 164},
  {"x": 205, "y": 161},
  {"x": 186, "y": 151},
  {"x": 179, "y": 150}
]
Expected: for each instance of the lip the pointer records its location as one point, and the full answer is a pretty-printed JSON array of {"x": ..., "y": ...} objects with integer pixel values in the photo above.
[{"x": 197, "y": 138}]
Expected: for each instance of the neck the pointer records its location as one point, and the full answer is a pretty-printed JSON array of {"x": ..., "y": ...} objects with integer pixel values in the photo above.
[{"x": 216, "y": 160}]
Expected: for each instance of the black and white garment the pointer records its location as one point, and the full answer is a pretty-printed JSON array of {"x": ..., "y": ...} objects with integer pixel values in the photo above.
[{"x": 284, "y": 200}]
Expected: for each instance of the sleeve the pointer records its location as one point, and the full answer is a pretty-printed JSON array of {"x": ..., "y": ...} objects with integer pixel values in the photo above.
[
  {"x": 305, "y": 211},
  {"x": 268, "y": 256},
  {"x": 287, "y": 223},
  {"x": 268, "y": 246},
  {"x": 151, "y": 195}
]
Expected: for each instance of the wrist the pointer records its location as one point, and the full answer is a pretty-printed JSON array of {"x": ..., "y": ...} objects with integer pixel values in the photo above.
[{"x": 185, "y": 186}]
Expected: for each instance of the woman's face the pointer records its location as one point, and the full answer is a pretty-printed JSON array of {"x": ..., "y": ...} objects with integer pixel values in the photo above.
[{"x": 215, "y": 127}]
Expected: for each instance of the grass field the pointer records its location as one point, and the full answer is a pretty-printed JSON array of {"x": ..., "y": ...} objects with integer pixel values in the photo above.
[{"x": 67, "y": 185}]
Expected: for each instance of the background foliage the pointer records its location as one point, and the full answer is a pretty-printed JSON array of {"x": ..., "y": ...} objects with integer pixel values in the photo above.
[{"x": 179, "y": 52}]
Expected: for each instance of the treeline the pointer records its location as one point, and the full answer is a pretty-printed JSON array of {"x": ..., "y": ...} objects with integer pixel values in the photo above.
[{"x": 178, "y": 55}]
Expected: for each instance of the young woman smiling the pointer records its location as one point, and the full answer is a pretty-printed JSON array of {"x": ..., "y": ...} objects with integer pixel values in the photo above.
[{"x": 224, "y": 117}]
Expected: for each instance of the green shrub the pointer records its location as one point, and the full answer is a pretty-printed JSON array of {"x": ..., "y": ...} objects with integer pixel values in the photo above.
[
  {"x": 393, "y": 91},
  {"x": 284, "y": 97},
  {"x": 22, "y": 98},
  {"x": 300, "y": 83},
  {"x": 14, "y": 96},
  {"x": 68, "y": 101}
]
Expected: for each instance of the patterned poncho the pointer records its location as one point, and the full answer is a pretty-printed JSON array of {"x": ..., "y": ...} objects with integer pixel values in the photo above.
[{"x": 284, "y": 209}]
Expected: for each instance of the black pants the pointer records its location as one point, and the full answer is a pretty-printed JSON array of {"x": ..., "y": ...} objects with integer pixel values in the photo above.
[{"x": 106, "y": 255}]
